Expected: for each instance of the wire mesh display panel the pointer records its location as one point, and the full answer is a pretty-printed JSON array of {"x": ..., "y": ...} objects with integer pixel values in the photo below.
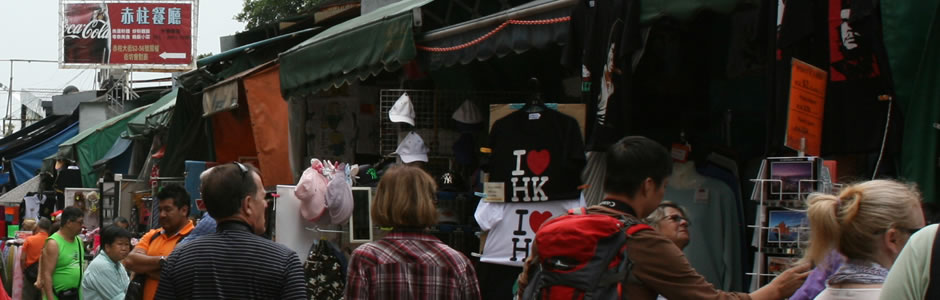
[{"x": 433, "y": 111}]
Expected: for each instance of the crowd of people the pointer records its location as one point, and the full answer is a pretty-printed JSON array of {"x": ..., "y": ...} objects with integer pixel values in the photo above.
[{"x": 867, "y": 242}]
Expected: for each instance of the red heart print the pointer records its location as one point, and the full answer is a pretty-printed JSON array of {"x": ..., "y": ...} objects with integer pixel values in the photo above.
[
  {"x": 538, "y": 161},
  {"x": 537, "y": 218}
]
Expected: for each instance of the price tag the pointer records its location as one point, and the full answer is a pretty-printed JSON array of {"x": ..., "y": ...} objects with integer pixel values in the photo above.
[
  {"x": 701, "y": 196},
  {"x": 495, "y": 191},
  {"x": 680, "y": 152}
]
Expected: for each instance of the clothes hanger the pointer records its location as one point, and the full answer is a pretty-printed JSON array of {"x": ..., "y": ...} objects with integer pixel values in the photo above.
[
  {"x": 535, "y": 103},
  {"x": 318, "y": 229}
]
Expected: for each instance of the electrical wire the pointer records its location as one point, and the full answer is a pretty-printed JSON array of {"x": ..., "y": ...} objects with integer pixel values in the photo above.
[{"x": 884, "y": 139}]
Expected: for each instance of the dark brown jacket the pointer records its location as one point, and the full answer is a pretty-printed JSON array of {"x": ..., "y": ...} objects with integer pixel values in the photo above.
[{"x": 659, "y": 267}]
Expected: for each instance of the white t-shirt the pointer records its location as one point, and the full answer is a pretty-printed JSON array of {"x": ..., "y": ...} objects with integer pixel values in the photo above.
[
  {"x": 32, "y": 206},
  {"x": 512, "y": 227},
  {"x": 849, "y": 294}
]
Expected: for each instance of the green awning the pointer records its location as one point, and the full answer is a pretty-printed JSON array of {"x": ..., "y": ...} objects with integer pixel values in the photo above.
[
  {"x": 93, "y": 143},
  {"x": 250, "y": 47},
  {"x": 154, "y": 118},
  {"x": 358, "y": 48}
]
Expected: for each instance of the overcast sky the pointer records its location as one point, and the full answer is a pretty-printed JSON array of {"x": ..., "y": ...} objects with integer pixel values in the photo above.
[{"x": 29, "y": 30}]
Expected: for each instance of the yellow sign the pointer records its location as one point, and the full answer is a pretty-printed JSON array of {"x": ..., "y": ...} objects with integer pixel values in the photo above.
[{"x": 807, "y": 101}]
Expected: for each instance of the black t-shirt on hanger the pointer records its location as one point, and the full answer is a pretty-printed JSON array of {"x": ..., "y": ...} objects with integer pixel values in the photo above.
[{"x": 538, "y": 156}]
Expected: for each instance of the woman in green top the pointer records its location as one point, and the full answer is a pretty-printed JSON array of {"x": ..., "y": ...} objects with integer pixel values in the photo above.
[{"x": 62, "y": 258}]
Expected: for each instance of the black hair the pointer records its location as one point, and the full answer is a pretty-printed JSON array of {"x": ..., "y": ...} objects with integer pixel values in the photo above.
[
  {"x": 120, "y": 220},
  {"x": 44, "y": 224},
  {"x": 632, "y": 160},
  {"x": 225, "y": 186},
  {"x": 110, "y": 233},
  {"x": 177, "y": 193},
  {"x": 71, "y": 213}
]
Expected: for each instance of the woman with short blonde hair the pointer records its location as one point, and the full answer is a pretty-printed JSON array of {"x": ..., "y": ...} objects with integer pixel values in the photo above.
[
  {"x": 670, "y": 220},
  {"x": 868, "y": 223},
  {"x": 408, "y": 263}
]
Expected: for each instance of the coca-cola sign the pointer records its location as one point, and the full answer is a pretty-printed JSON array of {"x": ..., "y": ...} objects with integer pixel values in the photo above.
[
  {"x": 96, "y": 29},
  {"x": 152, "y": 35}
]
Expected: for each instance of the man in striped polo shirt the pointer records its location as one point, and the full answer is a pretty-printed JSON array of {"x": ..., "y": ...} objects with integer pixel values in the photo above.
[{"x": 234, "y": 262}]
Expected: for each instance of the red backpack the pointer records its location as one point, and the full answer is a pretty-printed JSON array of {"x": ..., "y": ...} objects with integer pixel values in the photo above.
[{"x": 581, "y": 256}]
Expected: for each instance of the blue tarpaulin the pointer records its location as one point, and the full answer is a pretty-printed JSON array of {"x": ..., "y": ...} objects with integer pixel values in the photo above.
[
  {"x": 118, "y": 157},
  {"x": 28, "y": 163}
]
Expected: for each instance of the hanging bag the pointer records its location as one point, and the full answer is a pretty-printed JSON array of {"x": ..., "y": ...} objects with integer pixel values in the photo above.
[{"x": 325, "y": 275}]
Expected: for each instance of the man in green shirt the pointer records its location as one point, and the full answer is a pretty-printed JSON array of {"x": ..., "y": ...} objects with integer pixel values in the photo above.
[
  {"x": 62, "y": 258},
  {"x": 910, "y": 274}
]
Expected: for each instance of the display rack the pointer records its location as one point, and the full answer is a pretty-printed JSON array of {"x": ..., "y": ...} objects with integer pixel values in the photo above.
[{"x": 769, "y": 193}]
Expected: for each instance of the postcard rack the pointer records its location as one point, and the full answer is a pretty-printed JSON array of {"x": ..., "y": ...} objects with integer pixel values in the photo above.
[{"x": 781, "y": 230}]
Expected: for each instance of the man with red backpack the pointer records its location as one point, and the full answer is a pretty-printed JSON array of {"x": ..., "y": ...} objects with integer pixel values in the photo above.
[{"x": 605, "y": 252}]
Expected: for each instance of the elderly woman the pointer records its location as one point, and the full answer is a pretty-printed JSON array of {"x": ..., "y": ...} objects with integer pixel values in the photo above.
[
  {"x": 868, "y": 223},
  {"x": 670, "y": 220},
  {"x": 408, "y": 263}
]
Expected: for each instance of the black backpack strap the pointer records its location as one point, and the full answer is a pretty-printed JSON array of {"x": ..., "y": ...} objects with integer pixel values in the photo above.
[{"x": 933, "y": 288}]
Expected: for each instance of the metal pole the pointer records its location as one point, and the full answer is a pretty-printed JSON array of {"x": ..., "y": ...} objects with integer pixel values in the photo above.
[{"x": 9, "y": 101}]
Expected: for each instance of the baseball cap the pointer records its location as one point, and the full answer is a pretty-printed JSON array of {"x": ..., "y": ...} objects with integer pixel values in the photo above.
[
  {"x": 412, "y": 148},
  {"x": 311, "y": 191},
  {"x": 339, "y": 200},
  {"x": 468, "y": 117},
  {"x": 402, "y": 111}
]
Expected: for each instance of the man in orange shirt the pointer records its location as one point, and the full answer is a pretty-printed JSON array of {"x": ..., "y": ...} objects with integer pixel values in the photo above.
[
  {"x": 151, "y": 252},
  {"x": 32, "y": 249}
]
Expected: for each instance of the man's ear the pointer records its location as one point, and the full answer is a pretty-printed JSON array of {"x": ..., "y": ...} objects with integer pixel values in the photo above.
[
  {"x": 246, "y": 205},
  {"x": 647, "y": 187}
]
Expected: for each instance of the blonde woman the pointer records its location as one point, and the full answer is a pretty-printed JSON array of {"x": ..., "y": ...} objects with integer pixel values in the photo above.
[
  {"x": 670, "y": 220},
  {"x": 408, "y": 263},
  {"x": 868, "y": 223}
]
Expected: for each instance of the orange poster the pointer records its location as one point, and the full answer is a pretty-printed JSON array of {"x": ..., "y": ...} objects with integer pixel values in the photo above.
[{"x": 807, "y": 99}]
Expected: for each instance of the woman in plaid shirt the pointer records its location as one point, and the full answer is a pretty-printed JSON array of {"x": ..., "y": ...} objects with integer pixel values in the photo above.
[{"x": 408, "y": 263}]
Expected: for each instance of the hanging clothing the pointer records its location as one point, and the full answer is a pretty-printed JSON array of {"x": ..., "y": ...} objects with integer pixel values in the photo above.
[
  {"x": 537, "y": 156},
  {"x": 715, "y": 235},
  {"x": 604, "y": 37},
  {"x": 17, "y": 273},
  {"x": 325, "y": 275},
  {"x": 511, "y": 227}
]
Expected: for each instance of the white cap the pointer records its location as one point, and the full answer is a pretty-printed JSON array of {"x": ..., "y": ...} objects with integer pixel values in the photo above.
[
  {"x": 412, "y": 148},
  {"x": 468, "y": 113},
  {"x": 403, "y": 111}
]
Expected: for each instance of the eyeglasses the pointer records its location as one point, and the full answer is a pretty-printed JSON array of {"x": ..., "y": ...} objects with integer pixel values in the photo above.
[{"x": 678, "y": 219}]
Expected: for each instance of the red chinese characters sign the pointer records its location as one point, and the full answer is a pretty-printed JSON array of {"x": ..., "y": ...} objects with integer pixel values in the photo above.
[{"x": 152, "y": 35}]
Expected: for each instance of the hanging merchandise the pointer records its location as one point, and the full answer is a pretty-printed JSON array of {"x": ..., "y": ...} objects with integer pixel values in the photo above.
[
  {"x": 412, "y": 148},
  {"x": 339, "y": 200},
  {"x": 403, "y": 111},
  {"x": 325, "y": 271},
  {"x": 468, "y": 117},
  {"x": 537, "y": 156},
  {"x": 715, "y": 245},
  {"x": 851, "y": 52},
  {"x": 311, "y": 191},
  {"x": 605, "y": 35}
]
